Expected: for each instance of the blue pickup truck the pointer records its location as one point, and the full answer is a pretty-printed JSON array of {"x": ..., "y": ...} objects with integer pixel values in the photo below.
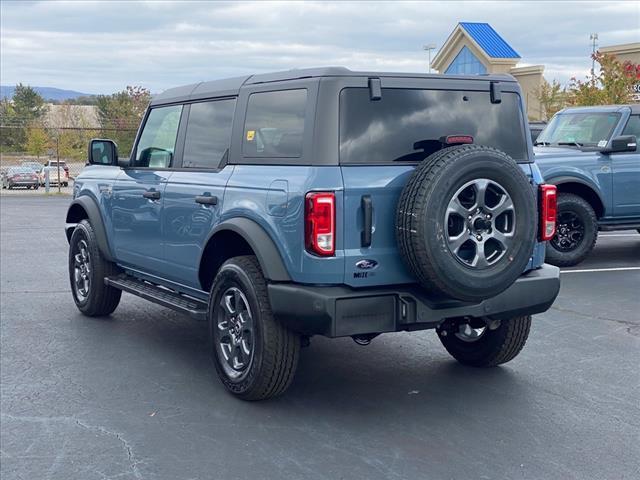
[
  {"x": 322, "y": 202},
  {"x": 591, "y": 155}
]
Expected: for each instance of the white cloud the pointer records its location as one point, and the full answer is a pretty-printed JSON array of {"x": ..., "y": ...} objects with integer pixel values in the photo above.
[{"x": 101, "y": 47}]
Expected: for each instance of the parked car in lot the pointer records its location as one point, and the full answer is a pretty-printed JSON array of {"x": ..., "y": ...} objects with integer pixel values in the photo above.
[
  {"x": 19, "y": 177},
  {"x": 56, "y": 176},
  {"x": 52, "y": 166},
  {"x": 35, "y": 166},
  {"x": 591, "y": 155},
  {"x": 322, "y": 202}
]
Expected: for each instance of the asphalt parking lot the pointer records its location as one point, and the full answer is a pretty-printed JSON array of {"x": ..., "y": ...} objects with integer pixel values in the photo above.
[{"x": 134, "y": 396}]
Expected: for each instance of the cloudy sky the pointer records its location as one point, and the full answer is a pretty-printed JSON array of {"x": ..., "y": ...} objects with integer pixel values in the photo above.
[{"x": 100, "y": 47}]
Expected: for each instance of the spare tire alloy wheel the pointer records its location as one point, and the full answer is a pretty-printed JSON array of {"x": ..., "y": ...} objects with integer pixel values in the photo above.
[
  {"x": 480, "y": 223},
  {"x": 466, "y": 222}
]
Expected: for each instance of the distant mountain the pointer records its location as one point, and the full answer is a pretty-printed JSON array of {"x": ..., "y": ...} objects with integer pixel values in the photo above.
[{"x": 48, "y": 93}]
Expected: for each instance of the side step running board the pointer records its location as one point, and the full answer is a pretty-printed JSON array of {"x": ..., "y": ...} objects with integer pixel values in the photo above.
[{"x": 193, "y": 307}]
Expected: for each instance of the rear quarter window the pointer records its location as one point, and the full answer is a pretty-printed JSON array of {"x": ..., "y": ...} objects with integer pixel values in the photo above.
[
  {"x": 407, "y": 125},
  {"x": 274, "y": 125}
]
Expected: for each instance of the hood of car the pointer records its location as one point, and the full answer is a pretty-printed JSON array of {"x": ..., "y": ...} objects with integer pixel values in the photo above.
[{"x": 549, "y": 154}]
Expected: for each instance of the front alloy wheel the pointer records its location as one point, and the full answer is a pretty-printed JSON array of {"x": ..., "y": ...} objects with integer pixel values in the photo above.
[
  {"x": 81, "y": 269},
  {"x": 576, "y": 233},
  {"x": 570, "y": 232}
]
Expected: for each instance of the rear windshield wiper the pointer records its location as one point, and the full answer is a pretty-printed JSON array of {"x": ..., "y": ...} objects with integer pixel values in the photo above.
[{"x": 575, "y": 144}]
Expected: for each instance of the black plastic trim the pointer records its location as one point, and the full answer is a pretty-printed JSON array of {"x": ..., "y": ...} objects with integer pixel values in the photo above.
[
  {"x": 261, "y": 243},
  {"x": 193, "y": 307},
  {"x": 338, "y": 311},
  {"x": 95, "y": 218}
]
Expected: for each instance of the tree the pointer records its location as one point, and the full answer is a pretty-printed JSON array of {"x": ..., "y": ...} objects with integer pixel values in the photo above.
[
  {"x": 612, "y": 85},
  {"x": 552, "y": 97},
  {"x": 25, "y": 108},
  {"x": 72, "y": 129},
  {"x": 7, "y": 120},
  {"x": 37, "y": 141},
  {"x": 120, "y": 115}
]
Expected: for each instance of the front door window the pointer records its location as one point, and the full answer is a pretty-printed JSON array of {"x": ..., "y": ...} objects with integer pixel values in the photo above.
[{"x": 158, "y": 140}]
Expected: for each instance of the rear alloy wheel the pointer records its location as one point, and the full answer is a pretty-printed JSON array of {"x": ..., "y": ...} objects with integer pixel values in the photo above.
[
  {"x": 234, "y": 333},
  {"x": 576, "y": 231},
  {"x": 254, "y": 354},
  {"x": 485, "y": 342}
]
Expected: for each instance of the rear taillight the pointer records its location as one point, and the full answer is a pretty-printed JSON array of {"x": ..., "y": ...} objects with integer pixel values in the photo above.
[
  {"x": 548, "y": 211},
  {"x": 320, "y": 223}
]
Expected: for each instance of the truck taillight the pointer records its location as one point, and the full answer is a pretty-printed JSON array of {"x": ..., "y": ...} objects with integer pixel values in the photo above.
[
  {"x": 320, "y": 223},
  {"x": 548, "y": 211}
]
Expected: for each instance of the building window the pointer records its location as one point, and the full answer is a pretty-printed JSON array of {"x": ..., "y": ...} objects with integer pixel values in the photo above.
[{"x": 466, "y": 63}]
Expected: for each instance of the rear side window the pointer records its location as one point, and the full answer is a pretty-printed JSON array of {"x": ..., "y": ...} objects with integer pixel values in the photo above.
[
  {"x": 274, "y": 126},
  {"x": 158, "y": 139},
  {"x": 208, "y": 133},
  {"x": 408, "y": 125}
]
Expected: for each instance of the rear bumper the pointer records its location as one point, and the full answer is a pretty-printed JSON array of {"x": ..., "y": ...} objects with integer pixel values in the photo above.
[{"x": 338, "y": 311}]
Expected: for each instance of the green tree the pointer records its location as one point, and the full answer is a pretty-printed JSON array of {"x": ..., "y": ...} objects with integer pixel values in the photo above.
[
  {"x": 7, "y": 123},
  {"x": 28, "y": 108},
  {"x": 552, "y": 97},
  {"x": 37, "y": 141},
  {"x": 120, "y": 115},
  {"x": 611, "y": 86},
  {"x": 17, "y": 113}
]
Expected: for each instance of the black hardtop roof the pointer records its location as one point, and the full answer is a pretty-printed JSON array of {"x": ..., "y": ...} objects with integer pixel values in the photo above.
[{"x": 231, "y": 86}]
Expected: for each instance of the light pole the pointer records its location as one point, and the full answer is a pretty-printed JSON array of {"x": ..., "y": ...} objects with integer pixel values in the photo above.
[
  {"x": 428, "y": 47},
  {"x": 594, "y": 38}
]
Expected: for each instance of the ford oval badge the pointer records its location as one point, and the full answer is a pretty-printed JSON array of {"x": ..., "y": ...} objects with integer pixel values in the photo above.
[{"x": 366, "y": 264}]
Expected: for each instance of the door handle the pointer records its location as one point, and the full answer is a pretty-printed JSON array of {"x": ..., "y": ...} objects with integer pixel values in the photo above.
[
  {"x": 207, "y": 199},
  {"x": 151, "y": 195},
  {"x": 367, "y": 212}
]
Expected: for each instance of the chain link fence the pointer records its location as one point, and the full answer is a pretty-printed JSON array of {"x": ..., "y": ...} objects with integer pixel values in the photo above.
[{"x": 43, "y": 145}]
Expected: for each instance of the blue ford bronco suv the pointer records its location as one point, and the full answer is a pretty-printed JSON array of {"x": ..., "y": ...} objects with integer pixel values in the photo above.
[
  {"x": 591, "y": 155},
  {"x": 322, "y": 202}
]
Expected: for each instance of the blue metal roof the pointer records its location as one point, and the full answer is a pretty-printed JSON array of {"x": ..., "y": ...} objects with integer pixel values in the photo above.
[{"x": 489, "y": 40}]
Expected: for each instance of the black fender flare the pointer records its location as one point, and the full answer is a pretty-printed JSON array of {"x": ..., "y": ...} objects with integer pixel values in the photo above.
[
  {"x": 260, "y": 242},
  {"x": 94, "y": 216},
  {"x": 562, "y": 179}
]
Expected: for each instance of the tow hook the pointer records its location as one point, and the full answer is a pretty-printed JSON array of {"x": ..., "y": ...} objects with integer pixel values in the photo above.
[
  {"x": 492, "y": 323},
  {"x": 364, "y": 339}
]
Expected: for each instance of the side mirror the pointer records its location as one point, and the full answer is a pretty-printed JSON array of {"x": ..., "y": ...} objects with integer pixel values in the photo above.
[
  {"x": 623, "y": 143},
  {"x": 103, "y": 152}
]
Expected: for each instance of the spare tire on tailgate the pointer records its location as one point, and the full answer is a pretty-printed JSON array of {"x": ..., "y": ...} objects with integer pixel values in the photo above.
[{"x": 466, "y": 222}]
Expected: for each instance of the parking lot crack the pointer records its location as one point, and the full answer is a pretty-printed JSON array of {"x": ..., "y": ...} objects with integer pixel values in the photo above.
[{"x": 133, "y": 460}]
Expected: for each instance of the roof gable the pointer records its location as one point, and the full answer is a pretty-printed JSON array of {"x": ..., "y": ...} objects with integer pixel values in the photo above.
[{"x": 489, "y": 40}]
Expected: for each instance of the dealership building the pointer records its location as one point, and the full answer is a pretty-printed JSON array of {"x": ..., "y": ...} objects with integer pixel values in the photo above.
[{"x": 476, "y": 48}]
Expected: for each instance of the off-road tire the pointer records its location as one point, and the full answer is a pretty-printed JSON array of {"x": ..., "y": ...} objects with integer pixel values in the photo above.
[
  {"x": 586, "y": 214},
  {"x": 494, "y": 347},
  {"x": 276, "y": 349},
  {"x": 102, "y": 299},
  {"x": 421, "y": 232}
]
